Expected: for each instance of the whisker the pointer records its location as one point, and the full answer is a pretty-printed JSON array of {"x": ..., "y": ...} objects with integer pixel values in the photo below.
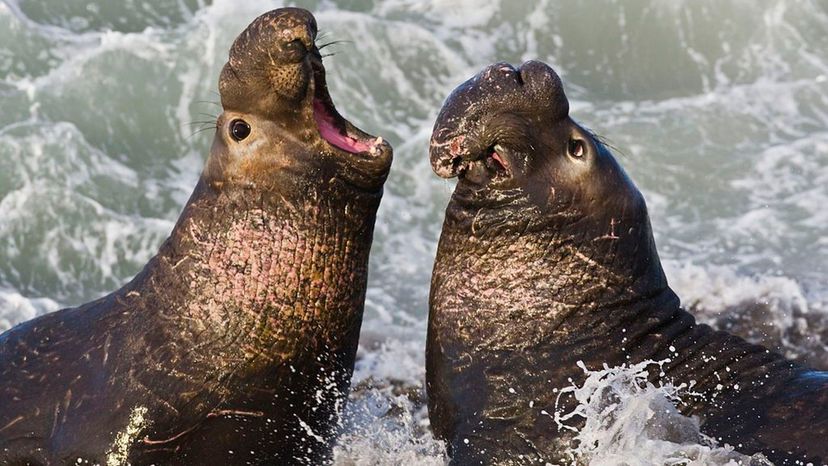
[
  {"x": 208, "y": 102},
  {"x": 201, "y": 130},
  {"x": 608, "y": 143},
  {"x": 601, "y": 140},
  {"x": 328, "y": 55},
  {"x": 334, "y": 42}
]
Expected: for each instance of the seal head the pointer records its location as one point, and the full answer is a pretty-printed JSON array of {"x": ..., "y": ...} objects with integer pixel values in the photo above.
[
  {"x": 507, "y": 134},
  {"x": 279, "y": 124}
]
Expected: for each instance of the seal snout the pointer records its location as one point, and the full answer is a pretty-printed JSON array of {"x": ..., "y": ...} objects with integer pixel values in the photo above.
[
  {"x": 268, "y": 70},
  {"x": 489, "y": 115},
  {"x": 285, "y": 35}
]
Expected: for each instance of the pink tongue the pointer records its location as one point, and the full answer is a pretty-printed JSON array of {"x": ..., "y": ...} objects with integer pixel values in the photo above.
[{"x": 324, "y": 121}]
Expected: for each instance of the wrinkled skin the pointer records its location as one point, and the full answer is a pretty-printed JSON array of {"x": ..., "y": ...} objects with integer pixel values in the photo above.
[
  {"x": 236, "y": 343},
  {"x": 547, "y": 258}
]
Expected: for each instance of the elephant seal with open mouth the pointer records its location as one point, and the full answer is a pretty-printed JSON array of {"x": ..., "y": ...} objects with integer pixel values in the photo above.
[
  {"x": 547, "y": 258},
  {"x": 236, "y": 343}
]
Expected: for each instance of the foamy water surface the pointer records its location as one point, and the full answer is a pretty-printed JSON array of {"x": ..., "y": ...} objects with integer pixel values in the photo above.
[{"x": 718, "y": 110}]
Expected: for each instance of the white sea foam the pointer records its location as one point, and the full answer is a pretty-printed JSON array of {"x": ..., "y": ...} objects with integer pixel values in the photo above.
[
  {"x": 64, "y": 227},
  {"x": 384, "y": 428},
  {"x": 628, "y": 420},
  {"x": 16, "y": 308}
]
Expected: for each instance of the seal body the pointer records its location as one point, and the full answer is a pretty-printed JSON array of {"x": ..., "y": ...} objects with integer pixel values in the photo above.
[
  {"x": 236, "y": 343},
  {"x": 546, "y": 259}
]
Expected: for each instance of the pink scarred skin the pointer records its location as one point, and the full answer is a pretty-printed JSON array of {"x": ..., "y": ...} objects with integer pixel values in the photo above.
[{"x": 236, "y": 343}]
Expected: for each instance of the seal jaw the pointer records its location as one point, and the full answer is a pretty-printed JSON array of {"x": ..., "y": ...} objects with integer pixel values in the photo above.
[
  {"x": 371, "y": 154},
  {"x": 448, "y": 154}
]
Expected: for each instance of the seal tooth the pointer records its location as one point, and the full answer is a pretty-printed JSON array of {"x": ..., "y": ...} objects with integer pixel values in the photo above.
[{"x": 375, "y": 147}]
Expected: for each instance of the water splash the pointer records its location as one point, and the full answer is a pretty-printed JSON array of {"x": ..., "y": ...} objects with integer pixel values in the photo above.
[
  {"x": 628, "y": 420},
  {"x": 387, "y": 424}
]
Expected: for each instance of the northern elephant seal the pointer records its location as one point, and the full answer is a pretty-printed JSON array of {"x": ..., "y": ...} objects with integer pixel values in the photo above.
[
  {"x": 236, "y": 343},
  {"x": 547, "y": 258}
]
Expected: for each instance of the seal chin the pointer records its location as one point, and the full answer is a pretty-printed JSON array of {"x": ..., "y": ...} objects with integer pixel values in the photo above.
[{"x": 365, "y": 153}]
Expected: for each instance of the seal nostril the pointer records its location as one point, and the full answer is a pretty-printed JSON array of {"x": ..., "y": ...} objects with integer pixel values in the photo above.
[
  {"x": 295, "y": 50},
  {"x": 508, "y": 70}
]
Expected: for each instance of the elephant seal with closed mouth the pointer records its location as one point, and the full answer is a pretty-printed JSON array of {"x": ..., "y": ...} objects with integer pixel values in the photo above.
[
  {"x": 236, "y": 343},
  {"x": 547, "y": 258}
]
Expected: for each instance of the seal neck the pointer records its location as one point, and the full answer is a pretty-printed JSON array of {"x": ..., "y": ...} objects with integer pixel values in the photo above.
[
  {"x": 536, "y": 295},
  {"x": 523, "y": 262},
  {"x": 262, "y": 279},
  {"x": 605, "y": 296}
]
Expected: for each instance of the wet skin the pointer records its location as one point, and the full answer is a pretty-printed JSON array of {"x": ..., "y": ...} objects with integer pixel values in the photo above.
[
  {"x": 547, "y": 258},
  {"x": 236, "y": 343}
]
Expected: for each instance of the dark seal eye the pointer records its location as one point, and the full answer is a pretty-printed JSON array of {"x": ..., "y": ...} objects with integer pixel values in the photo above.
[
  {"x": 239, "y": 129},
  {"x": 576, "y": 148}
]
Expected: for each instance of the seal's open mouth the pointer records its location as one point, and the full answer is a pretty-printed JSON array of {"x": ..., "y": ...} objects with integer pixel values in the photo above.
[
  {"x": 338, "y": 136},
  {"x": 463, "y": 155},
  {"x": 333, "y": 128}
]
